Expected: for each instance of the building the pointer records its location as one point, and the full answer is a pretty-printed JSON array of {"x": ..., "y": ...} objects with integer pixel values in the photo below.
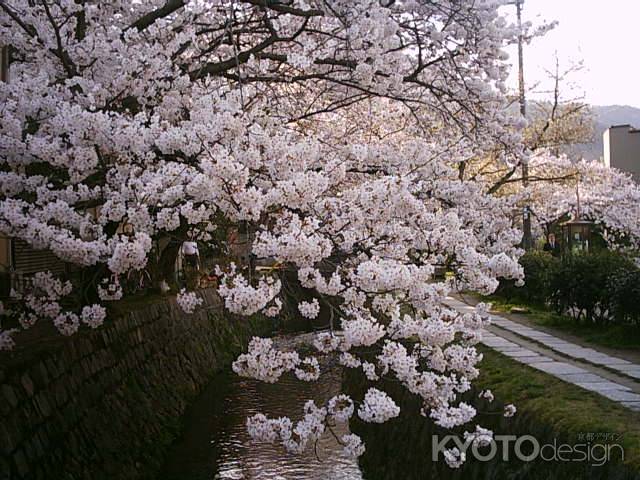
[{"x": 622, "y": 149}]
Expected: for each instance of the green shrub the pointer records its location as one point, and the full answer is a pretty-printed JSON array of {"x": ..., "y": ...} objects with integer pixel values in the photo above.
[
  {"x": 599, "y": 287},
  {"x": 625, "y": 296},
  {"x": 539, "y": 268},
  {"x": 583, "y": 285}
]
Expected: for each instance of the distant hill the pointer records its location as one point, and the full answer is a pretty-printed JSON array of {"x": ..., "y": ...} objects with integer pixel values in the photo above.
[{"x": 606, "y": 116}]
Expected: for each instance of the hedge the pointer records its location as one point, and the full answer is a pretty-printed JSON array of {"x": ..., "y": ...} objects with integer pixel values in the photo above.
[{"x": 599, "y": 287}]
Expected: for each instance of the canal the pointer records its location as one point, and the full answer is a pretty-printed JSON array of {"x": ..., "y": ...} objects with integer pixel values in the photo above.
[{"x": 215, "y": 445}]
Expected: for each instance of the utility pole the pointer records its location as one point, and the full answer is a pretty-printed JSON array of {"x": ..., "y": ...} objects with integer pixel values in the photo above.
[
  {"x": 526, "y": 216},
  {"x": 4, "y": 63}
]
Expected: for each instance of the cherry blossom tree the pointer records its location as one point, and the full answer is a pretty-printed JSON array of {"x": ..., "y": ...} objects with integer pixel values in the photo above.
[
  {"x": 588, "y": 190},
  {"x": 334, "y": 131}
]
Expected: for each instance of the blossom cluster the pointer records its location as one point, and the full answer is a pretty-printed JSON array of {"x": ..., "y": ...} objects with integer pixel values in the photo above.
[
  {"x": 377, "y": 407},
  {"x": 266, "y": 363},
  {"x": 309, "y": 309},
  {"x": 296, "y": 437},
  {"x": 42, "y": 299},
  {"x": 243, "y": 298},
  {"x": 188, "y": 301}
]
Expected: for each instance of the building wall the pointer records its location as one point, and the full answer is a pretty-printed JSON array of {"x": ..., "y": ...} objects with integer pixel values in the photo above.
[
  {"x": 622, "y": 149},
  {"x": 106, "y": 403}
]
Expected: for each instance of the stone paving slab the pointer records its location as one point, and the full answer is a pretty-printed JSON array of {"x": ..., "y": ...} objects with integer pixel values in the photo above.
[
  {"x": 523, "y": 352},
  {"x": 500, "y": 345},
  {"x": 509, "y": 348},
  {"x": 628, "y": 367},
  {"x": 563, "y": 370},
  {"x": 539, "y": 334},
  {"x": 613, "y": 361},
  {"x": 498, "y": 342},
  {"x": 558, "y": 368},
  {"x": 600, "y": 387},
  {"x": 533, "y": 359},
  {"x": 586, "y": 378},
  {"x": 621, "y": 395},
  {"x": 635, "y": 406}
]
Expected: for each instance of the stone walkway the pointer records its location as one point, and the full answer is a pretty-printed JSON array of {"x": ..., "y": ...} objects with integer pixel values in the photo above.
[{"x": 611, "y": 377}]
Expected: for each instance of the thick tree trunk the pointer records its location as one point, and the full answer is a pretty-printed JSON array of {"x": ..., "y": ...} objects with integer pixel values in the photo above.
[{"x": 167, "y": 261}]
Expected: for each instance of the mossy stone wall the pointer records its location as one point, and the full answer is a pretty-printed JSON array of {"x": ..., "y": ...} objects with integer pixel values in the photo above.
[{"x": 105, "y": 404}]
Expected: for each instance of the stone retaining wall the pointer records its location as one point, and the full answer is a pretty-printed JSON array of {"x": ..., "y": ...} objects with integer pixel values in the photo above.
[{"x": 106, "y": 403}]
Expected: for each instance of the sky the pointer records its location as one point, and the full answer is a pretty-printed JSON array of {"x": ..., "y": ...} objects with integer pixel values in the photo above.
[{"x": 602, "y": 34}]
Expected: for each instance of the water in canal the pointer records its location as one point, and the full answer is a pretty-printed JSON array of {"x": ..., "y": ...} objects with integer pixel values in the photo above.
[{"x": 216, "y": 446}]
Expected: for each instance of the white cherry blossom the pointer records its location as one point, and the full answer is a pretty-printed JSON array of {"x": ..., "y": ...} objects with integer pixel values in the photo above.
[
  {"x": 509, "y": 410},
  {"x": 377, "y": 407},
  {"x": 188, "y": 301},
  {"x": 309, "y": 309}
]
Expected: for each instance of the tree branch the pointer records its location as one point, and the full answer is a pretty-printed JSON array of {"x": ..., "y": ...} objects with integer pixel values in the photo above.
[{"x": 150, "y": 18}]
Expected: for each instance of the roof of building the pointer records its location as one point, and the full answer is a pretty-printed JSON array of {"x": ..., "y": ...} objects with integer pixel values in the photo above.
[{"x": 631, "y": 128}]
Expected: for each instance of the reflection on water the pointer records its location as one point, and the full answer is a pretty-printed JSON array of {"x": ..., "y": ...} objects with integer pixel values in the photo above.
[{"x": 216, "y": 445}]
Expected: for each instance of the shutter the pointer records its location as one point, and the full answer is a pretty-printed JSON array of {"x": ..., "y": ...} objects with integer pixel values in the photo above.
[{"x": 27, "y": 260}]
